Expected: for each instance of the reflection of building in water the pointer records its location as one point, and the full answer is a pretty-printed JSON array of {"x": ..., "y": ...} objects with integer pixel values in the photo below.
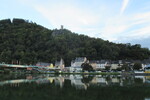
[
  {"x": 99, "y": 81},
  {"x": 115, "y": 80},
  {"x": 147, "y": 79},
  {"x": 133, "y": 80},
  {"x": 59, "y": 81},
  {"x": 51, "y": 79},
  {"x": 42, "y": 81},
  {"x": 147, "y": 99},
  {"x": 142, "y": 78},
  {"x": 38, "y": 79},
  {"x": 103, "y": 81},
  {"x": 127, "y": 80},
  {"x": 79, "y": 81},
  {"x": 56, "y": 80},
  {"x": 13, "y": 83},
  {"x": 76, "y": 81}
]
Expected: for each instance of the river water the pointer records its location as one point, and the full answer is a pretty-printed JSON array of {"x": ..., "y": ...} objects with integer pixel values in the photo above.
[{"x": 73, "y": 87}]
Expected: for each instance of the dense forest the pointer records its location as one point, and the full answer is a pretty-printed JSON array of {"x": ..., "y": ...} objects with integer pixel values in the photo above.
[{"x": 29, "y": 43}]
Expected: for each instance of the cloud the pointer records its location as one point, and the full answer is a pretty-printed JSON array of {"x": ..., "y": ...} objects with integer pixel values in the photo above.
[
  {"x": 73, "y": 16},
  {"x": 69, "y": 15},
  {"x": 107, "y": 23},
  {"x": 127, "y": 28},
  {"x": 140, "y": 33},
  {"x": 124, "y": 5},
  {"x": 114, "y": 28},
  {"x": 139, "y": 26},
  {"x": 66, "y": 15}
]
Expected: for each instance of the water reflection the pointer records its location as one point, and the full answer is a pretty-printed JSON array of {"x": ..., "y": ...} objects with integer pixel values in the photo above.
[
  {"x": 74, "y": 87},
  {"x": 77, "y": 81},
  {"x": 147, "y": 98}
]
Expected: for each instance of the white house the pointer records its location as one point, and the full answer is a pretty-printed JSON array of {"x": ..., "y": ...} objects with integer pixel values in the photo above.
[
  {"x": 76, "y": 64},
  {"x": 116, "y": 64},
  {"x": 99, "y": 64},
  {"x": 78, "y": 61}
]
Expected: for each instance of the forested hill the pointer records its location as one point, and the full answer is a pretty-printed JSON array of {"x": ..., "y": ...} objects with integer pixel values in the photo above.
[{"x": 30, "y": 43}]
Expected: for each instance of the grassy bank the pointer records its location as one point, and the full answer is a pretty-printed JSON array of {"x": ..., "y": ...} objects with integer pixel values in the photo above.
[
  {"x": 93, "y": 73},
  {"x": 81, "y": 73}
]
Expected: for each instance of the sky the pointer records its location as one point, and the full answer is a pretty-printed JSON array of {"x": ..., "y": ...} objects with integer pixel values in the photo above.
[{"x": 119, "y": 21}]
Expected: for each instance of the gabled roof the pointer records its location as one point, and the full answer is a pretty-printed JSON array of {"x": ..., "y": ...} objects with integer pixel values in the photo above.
[
  {"x": 80, "y": 59},
  {"x": 43, "y": 64},
  {"x": 99, "y": 61}
]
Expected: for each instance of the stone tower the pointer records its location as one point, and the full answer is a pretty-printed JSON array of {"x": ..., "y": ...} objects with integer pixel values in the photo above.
[{"x": 62, "y": 27}]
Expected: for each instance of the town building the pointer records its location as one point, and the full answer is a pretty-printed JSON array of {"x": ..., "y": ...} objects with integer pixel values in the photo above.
[
  {"x": 76, "y": 64},
  {"x": 60, "y": 64},
  {"x": 116, "y": 64},
  {"x": 43, "y": 64},
  {"x": 99, "y": 64}
]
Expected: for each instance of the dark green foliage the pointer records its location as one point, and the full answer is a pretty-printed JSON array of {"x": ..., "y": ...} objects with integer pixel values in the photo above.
[
  {"x": 5, "y": 22},
  {"x": 137, "y": 66},
  {"x": 107, "y": 68},
  {"x": 18, "y": 21},
  {"x": 29, "y": 43},
  {"x": 87, "y": 79},
  {"x": 86, "y": 67},
  {"x": 126, "y": 67},
  {"x": 119, "y": 69}
]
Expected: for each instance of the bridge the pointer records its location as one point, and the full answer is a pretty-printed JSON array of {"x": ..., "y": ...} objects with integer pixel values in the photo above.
[
  {"x": 17, "y": 66},
  {"x": 27, "y": 67}
]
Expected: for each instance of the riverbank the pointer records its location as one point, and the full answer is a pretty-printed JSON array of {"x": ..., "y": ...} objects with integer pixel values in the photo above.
[
  {"x": 46, "y": 72},
  {"x": 93, "y": 73},
  {"x": 74, "y": 73}
]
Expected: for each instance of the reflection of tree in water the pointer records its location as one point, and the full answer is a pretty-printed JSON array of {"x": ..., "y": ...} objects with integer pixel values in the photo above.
[
  {"x": 10, "y": 77},
  {"x": 128, "y": 80},
  {"x": 138, "y": 81},
  {"x": 67, "y": 83},
  {"x": 108, "y": 79},
  {"x": 34, "y": 91},
  {"x": 87, "y": 79}
]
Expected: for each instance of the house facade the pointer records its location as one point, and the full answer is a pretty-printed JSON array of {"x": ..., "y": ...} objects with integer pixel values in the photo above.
[
  {"x": 78, "y": 61},
  {"x": 43, "y": 64},
  {"x": 99, "y": 65},
  {"x": 76, "y": 64},
  {"x": 60, "y": 64},
  {"x": 116, "y": 64}
]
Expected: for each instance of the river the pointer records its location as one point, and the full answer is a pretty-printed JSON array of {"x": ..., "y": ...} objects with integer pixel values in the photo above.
[{"x": 73, "y": 87}]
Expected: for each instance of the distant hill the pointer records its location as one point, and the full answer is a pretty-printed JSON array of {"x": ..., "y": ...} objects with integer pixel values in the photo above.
[{"x": 29, "y": 43}]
